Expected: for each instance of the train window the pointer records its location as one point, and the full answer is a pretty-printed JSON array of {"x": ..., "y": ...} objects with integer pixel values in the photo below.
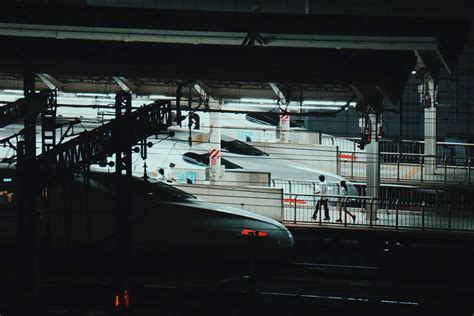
[
  {"x": 260, "y": 119},
  {"x": 235, "y": 146},
  {"x": 202, "y": 160},
  {"x": 196, "y": 159},
  {"x": 196, "y": 121},
  {"x": 152, "y": 188},
  {"x": 229, "y": 165}
]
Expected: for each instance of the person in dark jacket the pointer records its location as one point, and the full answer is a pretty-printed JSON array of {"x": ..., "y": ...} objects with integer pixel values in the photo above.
[{"x": 342, "y": 204}]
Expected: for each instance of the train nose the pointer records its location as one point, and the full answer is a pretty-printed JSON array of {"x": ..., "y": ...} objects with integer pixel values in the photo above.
[
  {"x": 291, "y": 239},
  {"x": 287, "y": 240}
]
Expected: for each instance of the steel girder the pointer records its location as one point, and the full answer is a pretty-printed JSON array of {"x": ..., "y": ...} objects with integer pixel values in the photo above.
[{"x": 99, "y": 143}]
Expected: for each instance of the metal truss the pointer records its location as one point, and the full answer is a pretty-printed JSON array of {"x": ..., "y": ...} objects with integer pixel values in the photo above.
[
  {"x": 15, "y": 111},
  {"x": 101, "y": 142},
  {"x": 11, "y": 112}
]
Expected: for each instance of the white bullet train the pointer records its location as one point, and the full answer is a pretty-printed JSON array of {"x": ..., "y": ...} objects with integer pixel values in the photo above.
[
  {"x": 294, "y": 176},
  {"x": 191, "y": 163},
  {"x": 257, "y": 127}
]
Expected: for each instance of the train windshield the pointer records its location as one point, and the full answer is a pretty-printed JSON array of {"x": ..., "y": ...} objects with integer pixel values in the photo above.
[
  {"x": 235, "y": 146},
  {"x": 165, "y": 192},
  {"x": 202, "y": 160},
  {"x": 260, "y": 119}
]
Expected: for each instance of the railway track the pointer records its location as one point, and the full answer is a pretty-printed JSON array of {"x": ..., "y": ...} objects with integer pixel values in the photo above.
[
  {"x": 290, "y": 289},
  {"x": 330, "y": 278}
]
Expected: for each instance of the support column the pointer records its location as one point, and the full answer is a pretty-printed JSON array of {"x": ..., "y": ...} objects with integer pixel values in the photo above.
[
  {"x": 27, "y": 273},
  {"x": 215, "y": 170},
  {"x": 373, "y": 168},
  {"x": 284, "y": 126},
  {"x": 123, "y": 171},
  {"x": 429, "y": 97}
]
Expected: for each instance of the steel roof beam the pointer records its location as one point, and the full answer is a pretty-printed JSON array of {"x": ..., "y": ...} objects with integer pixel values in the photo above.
[
  {"x": 220, "y": 38},
  {"x": 275, "y": 64},
  {"x": 444, "y": 36},
  {"x": 51, "y": 82},
  {"x": 203, "y": 90},
  {"x": 280, "y": 95},
  {"x": 125, "y": 85}
]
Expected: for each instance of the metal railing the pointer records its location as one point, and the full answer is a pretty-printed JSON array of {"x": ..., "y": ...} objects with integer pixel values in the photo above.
[
  {"x": 421, "y": 193},
  {"x": 450, "y": 216},
  {"x": 304, "y": 187},
  {"x": 460, "y": 150},
  {"x": 411, "y": 168},
  {"x": 406, "y": 146}
]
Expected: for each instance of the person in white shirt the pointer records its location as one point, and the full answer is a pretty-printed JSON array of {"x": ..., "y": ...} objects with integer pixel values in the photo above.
[
  {"x": 323, "y": 190},
  {"x": 167, "y": 175}
]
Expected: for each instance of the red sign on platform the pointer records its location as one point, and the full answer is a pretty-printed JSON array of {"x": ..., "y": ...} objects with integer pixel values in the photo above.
[
  {"x": 214, "y": 153},
  {"x": 283, "y": 119}
]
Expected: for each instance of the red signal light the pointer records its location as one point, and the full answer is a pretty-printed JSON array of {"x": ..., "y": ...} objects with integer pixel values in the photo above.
[
  {"x": 122, "y": 301},
  {"x": 126, "y": 299},
  {"x": 252, "y": 232}
]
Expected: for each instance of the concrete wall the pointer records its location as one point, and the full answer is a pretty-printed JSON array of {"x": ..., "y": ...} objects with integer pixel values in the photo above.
[
  {"x": 264, "y": 201},
  {"x": 196, "y": 176},
  {"x": 317, "y": 156},
  {"x": 246, "y": 178},
  {"x": 256, "y": 134},
  {"x": 299, "y": 136},
  {"x": 231, "y": 177}
]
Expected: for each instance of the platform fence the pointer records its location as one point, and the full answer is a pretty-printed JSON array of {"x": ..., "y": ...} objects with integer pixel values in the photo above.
[
  {"x": 427, "y": 193},
  {"x": 396, "y": 167},
  {"x": 406, "y": 146},
  {"x": 367, "y": 212}
]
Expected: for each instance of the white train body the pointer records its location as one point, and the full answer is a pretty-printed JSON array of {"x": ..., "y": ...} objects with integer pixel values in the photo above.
[{"x": 192, "y": 161}]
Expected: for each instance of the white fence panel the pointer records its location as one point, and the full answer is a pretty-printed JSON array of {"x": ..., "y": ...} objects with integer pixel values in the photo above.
[{"x": 264, "y": 201}]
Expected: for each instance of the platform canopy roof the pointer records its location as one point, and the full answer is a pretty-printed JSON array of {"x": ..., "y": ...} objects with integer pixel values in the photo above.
[{"x": 369, "y": 53}]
